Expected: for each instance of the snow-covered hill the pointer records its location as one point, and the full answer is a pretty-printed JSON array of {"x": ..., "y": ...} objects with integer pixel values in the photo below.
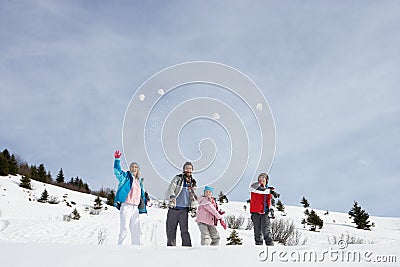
[{"x": 37, "y": 234}]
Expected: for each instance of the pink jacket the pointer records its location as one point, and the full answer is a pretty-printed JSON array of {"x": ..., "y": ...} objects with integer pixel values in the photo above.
[
  {"x": 207, "y": 212},
  {"x": 134, "y": 194}
]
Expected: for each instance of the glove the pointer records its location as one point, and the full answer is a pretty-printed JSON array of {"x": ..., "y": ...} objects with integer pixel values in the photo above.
[
  {"x": 221, "y": 212},
  {"x": 117, "y": 154},
  {"x": 271, "y": 214},
  {"x": 172, "y": 203},
  {"x": 223, "y": 224},
  {"x": 193, "y": 212},
  {"x": 261, "y": 188}
]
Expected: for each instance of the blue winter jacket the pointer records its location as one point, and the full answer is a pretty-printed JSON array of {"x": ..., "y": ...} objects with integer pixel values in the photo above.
[{"x": 125, "y": 180}]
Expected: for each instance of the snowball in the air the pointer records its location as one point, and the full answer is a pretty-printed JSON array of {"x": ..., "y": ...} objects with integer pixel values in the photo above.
[
  {"x": 160, "y": 91},
  {"x": 216, "y": 116},
  {"x": 259, "y": 107},
  {"x": 142, "y": 97}
]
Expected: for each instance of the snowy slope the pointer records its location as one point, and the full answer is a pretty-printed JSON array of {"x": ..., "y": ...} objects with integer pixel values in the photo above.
[{"x": 38, "y": 231}]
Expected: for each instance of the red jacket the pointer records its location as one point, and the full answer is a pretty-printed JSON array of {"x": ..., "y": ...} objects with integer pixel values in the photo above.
[{"x": 260, "y": 200}]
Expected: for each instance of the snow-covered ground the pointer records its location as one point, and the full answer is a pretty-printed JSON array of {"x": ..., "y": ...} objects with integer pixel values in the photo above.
[{"x": 36, "y": 234}]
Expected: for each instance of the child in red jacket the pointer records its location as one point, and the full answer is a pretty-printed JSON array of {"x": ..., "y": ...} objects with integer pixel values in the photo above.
[{"x": 260, "y": 202}]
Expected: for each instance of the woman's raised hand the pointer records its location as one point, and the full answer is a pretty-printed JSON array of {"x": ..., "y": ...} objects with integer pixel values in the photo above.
[{"x": 117, "y": 154}]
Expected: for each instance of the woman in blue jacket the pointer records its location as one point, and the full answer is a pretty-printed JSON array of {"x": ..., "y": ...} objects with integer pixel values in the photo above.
[{"x": 129, "y": 200}]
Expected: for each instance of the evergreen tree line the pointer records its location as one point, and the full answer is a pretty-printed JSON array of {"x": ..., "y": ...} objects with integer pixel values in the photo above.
[
  {"x": 8, "y": 163},
  {"x": 360, "y": 216},
  {"x": 11, "y": 164}
]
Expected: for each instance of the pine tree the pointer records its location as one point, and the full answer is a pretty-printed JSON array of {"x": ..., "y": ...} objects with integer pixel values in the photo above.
[
  {"x": 86, "y": 188},
  {"x": 222, "y": 198},
  {"x": 75, "y": 215},
  {"x": 12, "y": 165},
  {"x": 314, "y": 220},
  {"x": 97, "y": 203},
  {"x": 3, "y": 165},
  {"x": 233, "y": 238},
  {"x": 6, "y": 154},
  {"x": 303, "y": 222},
  {"x": 110, "y": 198},
  {"x": 33, "y": 173},
  {"x": 25, "y": 182},
  {"x": 49, "y": 178},
  {"x": 280, "y": 206},
  {"x": 305, "y": 202},
  {"x": 44, "y": 197},
  {"x": 41, "y": 173},
  {"x": 307, "y": 212},
  {"x": 60, "y": 177},
  {"x": 80, "y": 184},
  {"x": 360, "y": 217}
]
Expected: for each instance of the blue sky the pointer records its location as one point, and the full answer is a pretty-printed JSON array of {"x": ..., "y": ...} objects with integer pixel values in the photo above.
[{"x": 329, "y": 70}]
